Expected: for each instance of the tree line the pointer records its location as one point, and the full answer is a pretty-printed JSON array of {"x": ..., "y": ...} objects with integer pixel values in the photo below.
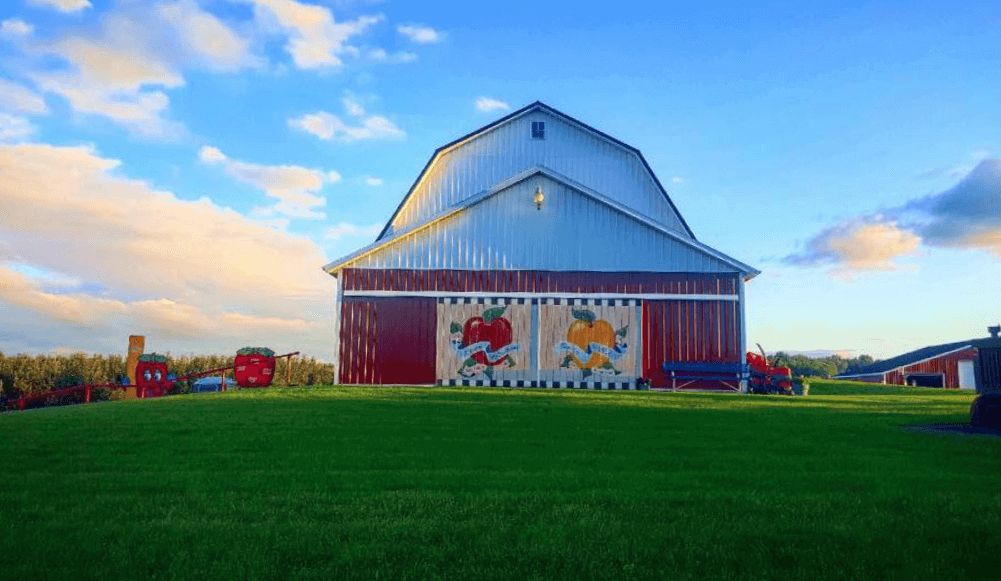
[{"x": 820, "y": 366}]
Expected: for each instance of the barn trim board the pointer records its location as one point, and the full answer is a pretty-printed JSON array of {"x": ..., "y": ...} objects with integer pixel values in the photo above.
[
  {"x": 514, "y": 261},
  {"x": 572, "y": 298}
]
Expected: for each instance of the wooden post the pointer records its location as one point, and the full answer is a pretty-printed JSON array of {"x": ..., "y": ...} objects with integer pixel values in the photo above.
[
  {"x": 223, "y": 382},
  {"x": 288, "y": 376},
  {"x": 86, "y": 394}
]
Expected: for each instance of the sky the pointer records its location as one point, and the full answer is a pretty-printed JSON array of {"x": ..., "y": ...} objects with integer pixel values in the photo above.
[{"x": 183, "y": 169}]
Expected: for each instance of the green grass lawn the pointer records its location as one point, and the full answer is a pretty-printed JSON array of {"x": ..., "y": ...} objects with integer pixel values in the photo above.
[{"x": 465, "y": 483}]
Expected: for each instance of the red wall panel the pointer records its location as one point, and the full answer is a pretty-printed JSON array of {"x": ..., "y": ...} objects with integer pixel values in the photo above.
[
  {"x": 539, "y": 281},
  {"x": 702, "y": 331},
  {"x": 388, "y": 340}
]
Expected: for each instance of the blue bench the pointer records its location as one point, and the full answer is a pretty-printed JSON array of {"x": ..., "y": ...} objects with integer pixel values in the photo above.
[{"x": 733, "y": 373}]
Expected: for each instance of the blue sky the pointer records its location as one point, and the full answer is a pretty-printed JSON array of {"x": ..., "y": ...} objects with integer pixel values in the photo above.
[{"x": 182, "y": 169}]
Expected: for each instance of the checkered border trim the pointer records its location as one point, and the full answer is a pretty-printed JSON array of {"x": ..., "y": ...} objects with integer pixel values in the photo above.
[
  {"x": 525, "y": 301},
  {"x": 594, "y": 385}
]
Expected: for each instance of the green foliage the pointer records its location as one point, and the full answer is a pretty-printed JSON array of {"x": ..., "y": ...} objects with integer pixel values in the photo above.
[
  {"x": 39, "y": 373},
  {"x": 69, "y": 381},
  {"x": 819, "y": 366},
  {"x": 152, "y": 358},
  {"x": 101, "y": 394},
  {"x": 256, "y": 351}
]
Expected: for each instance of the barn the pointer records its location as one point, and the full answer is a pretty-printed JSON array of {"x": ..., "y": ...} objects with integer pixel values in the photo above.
[
  {"x": 950, "y": 365},
  {"x": 536, "y": 251}
]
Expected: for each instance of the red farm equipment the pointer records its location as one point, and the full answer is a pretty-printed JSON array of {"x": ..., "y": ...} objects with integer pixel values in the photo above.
[
  {"x": 766, "y": 378},
  {"x": 252, "y": 367}
]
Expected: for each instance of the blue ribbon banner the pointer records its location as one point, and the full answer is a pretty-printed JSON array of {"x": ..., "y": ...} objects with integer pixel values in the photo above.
[
  {"x": 484, "y": 346},
  {"x": 612, "y": 354}
]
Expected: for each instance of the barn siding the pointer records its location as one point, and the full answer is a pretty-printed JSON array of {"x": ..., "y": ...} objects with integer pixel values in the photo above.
[
  {"x": 571, "y": 231},
  {"x": 396, "y": 339},
  {"x": 501, "y": 281},
  {"x": 947, "y": 364},
  {"x": 496, "y": 155},
  {"x": 691, "y": 331},
  {"x": 387, "y": 341}
]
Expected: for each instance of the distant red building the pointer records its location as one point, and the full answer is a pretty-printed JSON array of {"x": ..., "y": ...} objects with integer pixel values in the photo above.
[{"x": 950, "y": 365}]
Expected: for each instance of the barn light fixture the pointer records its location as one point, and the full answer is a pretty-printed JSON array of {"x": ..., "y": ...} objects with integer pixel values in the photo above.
[{"x": 539, "y": 198}]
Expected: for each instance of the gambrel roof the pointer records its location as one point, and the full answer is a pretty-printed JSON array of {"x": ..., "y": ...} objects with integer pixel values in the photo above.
[
  {"x": 471, "y": 207},
  {"x": 495, "y": 152}
]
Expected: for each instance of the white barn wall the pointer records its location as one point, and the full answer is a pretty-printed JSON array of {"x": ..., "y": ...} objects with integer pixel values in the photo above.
[
  {"x": 570, "y": 232},
  {"x": 501, "y": 152}
]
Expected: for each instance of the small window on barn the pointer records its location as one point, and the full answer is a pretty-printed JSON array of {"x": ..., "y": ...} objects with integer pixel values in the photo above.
[{"x": 538, "y": 129}]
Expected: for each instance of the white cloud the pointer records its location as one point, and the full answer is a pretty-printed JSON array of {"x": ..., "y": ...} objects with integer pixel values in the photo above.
[
  {"x": 295, "y": 187},
  {"x": 677, "y": 179},
  {"x": 112, "y": 77},
  {"x": 315, "y": 38},
  {"x": 206, "y": 37},
  {"x": 420, "y": 34},
  {"x": 344, "y": 229},
  {"x": 373, "y": 181},
  {"x": 352, "y": 106},
  {"x": 331, "y": 127},
  {"x": 66, "y": 6},
  {"x": 487, "y": 104},
  {"x": 174, "y": 268},
  {"x": 15, "y": 97},
  {"x": 13, "y": 128},
  {"x": 209, "y": 154},
  {"x": 966, "y": 216},
  {"x": 380, "y": 55},
  {"x": 865, "y": 243},
  {"x": 15, "y": 27}
]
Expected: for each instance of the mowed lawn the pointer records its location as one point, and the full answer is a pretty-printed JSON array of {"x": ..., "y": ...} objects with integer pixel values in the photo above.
[{"x": 464, "y": 483}]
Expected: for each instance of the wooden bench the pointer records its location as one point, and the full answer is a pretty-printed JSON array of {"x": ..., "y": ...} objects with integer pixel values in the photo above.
[{"x": 729, "y": 374}]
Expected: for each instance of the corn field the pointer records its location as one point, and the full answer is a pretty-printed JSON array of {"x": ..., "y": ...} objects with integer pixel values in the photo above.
[{"x": 38, "y": 373}]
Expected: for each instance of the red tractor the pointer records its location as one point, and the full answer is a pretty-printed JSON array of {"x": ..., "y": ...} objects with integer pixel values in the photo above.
[{"x": 765, "y": 378}]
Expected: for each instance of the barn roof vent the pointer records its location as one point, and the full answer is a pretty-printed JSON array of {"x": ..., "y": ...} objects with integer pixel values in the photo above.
[{"x": 994, "y": 331}]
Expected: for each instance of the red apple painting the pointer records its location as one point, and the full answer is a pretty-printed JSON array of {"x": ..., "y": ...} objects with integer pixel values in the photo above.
[{"x": 484, "y": 342}]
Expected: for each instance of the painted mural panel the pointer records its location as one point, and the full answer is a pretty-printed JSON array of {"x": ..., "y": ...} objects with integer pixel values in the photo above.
[
  {"x": 587, "y": 342},
  {"x": 486, "y": 341}
]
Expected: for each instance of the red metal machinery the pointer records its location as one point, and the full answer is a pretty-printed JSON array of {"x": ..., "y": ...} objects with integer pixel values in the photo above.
[
  {"x": 152, "y": 381},
  {"x": 766, "y": 378}
]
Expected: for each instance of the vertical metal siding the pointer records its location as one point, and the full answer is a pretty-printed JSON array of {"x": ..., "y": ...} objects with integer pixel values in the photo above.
[
  {"x": 388, "y": 340},
  {"x": 501, "y": 281},
  {"x": 571, "y": 232},
  {"x": 696, "y": 331},
  {"x": 508, "y": 149}
]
